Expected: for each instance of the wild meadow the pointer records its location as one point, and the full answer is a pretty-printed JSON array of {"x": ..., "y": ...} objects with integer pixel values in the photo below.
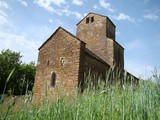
[{"x": 112, "y": 102}]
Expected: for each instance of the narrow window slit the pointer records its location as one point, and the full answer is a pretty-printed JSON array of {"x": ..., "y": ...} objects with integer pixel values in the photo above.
[{"x": 53, "y": 79}]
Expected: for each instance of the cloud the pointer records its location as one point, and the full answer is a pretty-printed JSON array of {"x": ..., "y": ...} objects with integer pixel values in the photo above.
[
  {"x": 151, "y": 16},
  {"x": 122, "y": 16},
  {"x": 2, "y": 13},
  {"x": 3, "y": 21},
  {"x": 64, "y": 11},
  {"x": 104, "y": 4},
  {"x": 77, "y": 2},
  {"x": 68, "y": 13},
  {"x": 77, "y": 14},
  {"x": 3, "y": 5},
  {"x": 111, "y": 10},
  {"x": 28, "y": 48},
  {"x": 47, "y": 3},
  {"x": 96, "y": 7},
  {"x": 50, "y": 20},
  {"x": 23, "y": 3}
]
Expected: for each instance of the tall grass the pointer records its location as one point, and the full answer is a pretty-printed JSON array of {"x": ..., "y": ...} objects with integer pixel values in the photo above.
[{"x": 140, "y": 102}]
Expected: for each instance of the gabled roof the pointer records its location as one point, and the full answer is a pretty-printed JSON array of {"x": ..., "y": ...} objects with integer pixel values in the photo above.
[
  {"x": 56, "y": 32},
  {"x": 95, "y": 14}
]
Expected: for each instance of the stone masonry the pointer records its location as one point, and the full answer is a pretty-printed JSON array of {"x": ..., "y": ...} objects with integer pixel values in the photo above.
[{"x": 65, "y": 59}]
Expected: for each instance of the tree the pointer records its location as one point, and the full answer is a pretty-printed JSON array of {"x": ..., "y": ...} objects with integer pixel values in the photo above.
[
  {"x": 23, "y": 76},
  {"x": 26, "y": 73}
]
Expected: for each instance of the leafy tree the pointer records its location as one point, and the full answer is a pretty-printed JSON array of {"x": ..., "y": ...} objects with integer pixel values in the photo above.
[
  {"x": 22, "y": 78},
  {"x": 26, "y": 73}
]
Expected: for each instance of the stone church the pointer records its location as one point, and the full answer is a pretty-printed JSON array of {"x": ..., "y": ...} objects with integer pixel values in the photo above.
[{"x": 65, "y": 60}]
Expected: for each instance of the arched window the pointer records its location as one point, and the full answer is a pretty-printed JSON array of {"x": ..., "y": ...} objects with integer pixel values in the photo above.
[{"x": 53, "y": 79}]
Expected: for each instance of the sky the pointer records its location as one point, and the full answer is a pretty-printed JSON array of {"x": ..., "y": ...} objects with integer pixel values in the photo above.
[{"x": 26, "y": 24}]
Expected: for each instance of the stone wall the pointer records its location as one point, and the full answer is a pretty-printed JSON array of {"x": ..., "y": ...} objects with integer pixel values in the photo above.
[
  {"x": 118, "y": 55},
  {"x": 94, "y": 68},
  {"x": 110, "y": 29},
  {"x": 61, "y": 55}
]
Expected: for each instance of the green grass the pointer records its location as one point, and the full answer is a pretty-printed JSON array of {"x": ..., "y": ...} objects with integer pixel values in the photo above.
[{"x": 140, "y": 102}]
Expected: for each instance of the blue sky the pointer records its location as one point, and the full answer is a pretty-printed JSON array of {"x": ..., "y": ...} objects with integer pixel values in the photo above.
[{"x": 26, "y": 24}]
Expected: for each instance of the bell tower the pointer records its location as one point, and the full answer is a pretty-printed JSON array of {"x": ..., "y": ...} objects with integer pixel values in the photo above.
[{"x": 98, "y": 32}]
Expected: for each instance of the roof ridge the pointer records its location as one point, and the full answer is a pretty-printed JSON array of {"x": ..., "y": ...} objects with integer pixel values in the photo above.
[
  {"x": 95, "y": 14},
  {"x": 56, "y": 32}
]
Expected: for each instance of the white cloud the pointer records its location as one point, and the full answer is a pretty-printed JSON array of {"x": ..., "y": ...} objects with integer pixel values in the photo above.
[
  {"x": 122, "y": 16},
  {"x": 3, "y": 5},
  {"x": 151, "y": 16},
  {"x": 96, "y": 7},
  {"x": 78, "y": 15},
  {"x": 23, "y": 3},
  {"x": 111, "y": 10},
  {"x": 28, "y": 48},
  {"x": 77, "y": 2},
  {"x": 104, "y": 4},
  {"x": 47, "y": 3},
  {"x": 3, "y": 21},
  {"x": 58, "y": 2},
  {"x": 2, "y": 13},
  {"x": 85, "y": 14},
  {"x": 68, "y": 12},
  {"x": 50, "y": 20}
]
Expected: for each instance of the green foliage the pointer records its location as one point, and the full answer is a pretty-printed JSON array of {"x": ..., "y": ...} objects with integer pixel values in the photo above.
[
  {"x": 112, "y": 103},
  {"x": 23, "y": 76}
]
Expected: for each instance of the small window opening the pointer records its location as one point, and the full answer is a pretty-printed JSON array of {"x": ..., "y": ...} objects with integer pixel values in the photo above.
[
  {"x": 87, "y": 20},
  {"x": 92, "y": 19},
  {"x": 53, "y": 79}
]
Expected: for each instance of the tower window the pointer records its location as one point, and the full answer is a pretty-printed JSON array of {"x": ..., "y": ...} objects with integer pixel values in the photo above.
[
  {"x": 53, "y": 79},
  {"x": 92, "y": 19},
  {"x": 87, "y": 20}
]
